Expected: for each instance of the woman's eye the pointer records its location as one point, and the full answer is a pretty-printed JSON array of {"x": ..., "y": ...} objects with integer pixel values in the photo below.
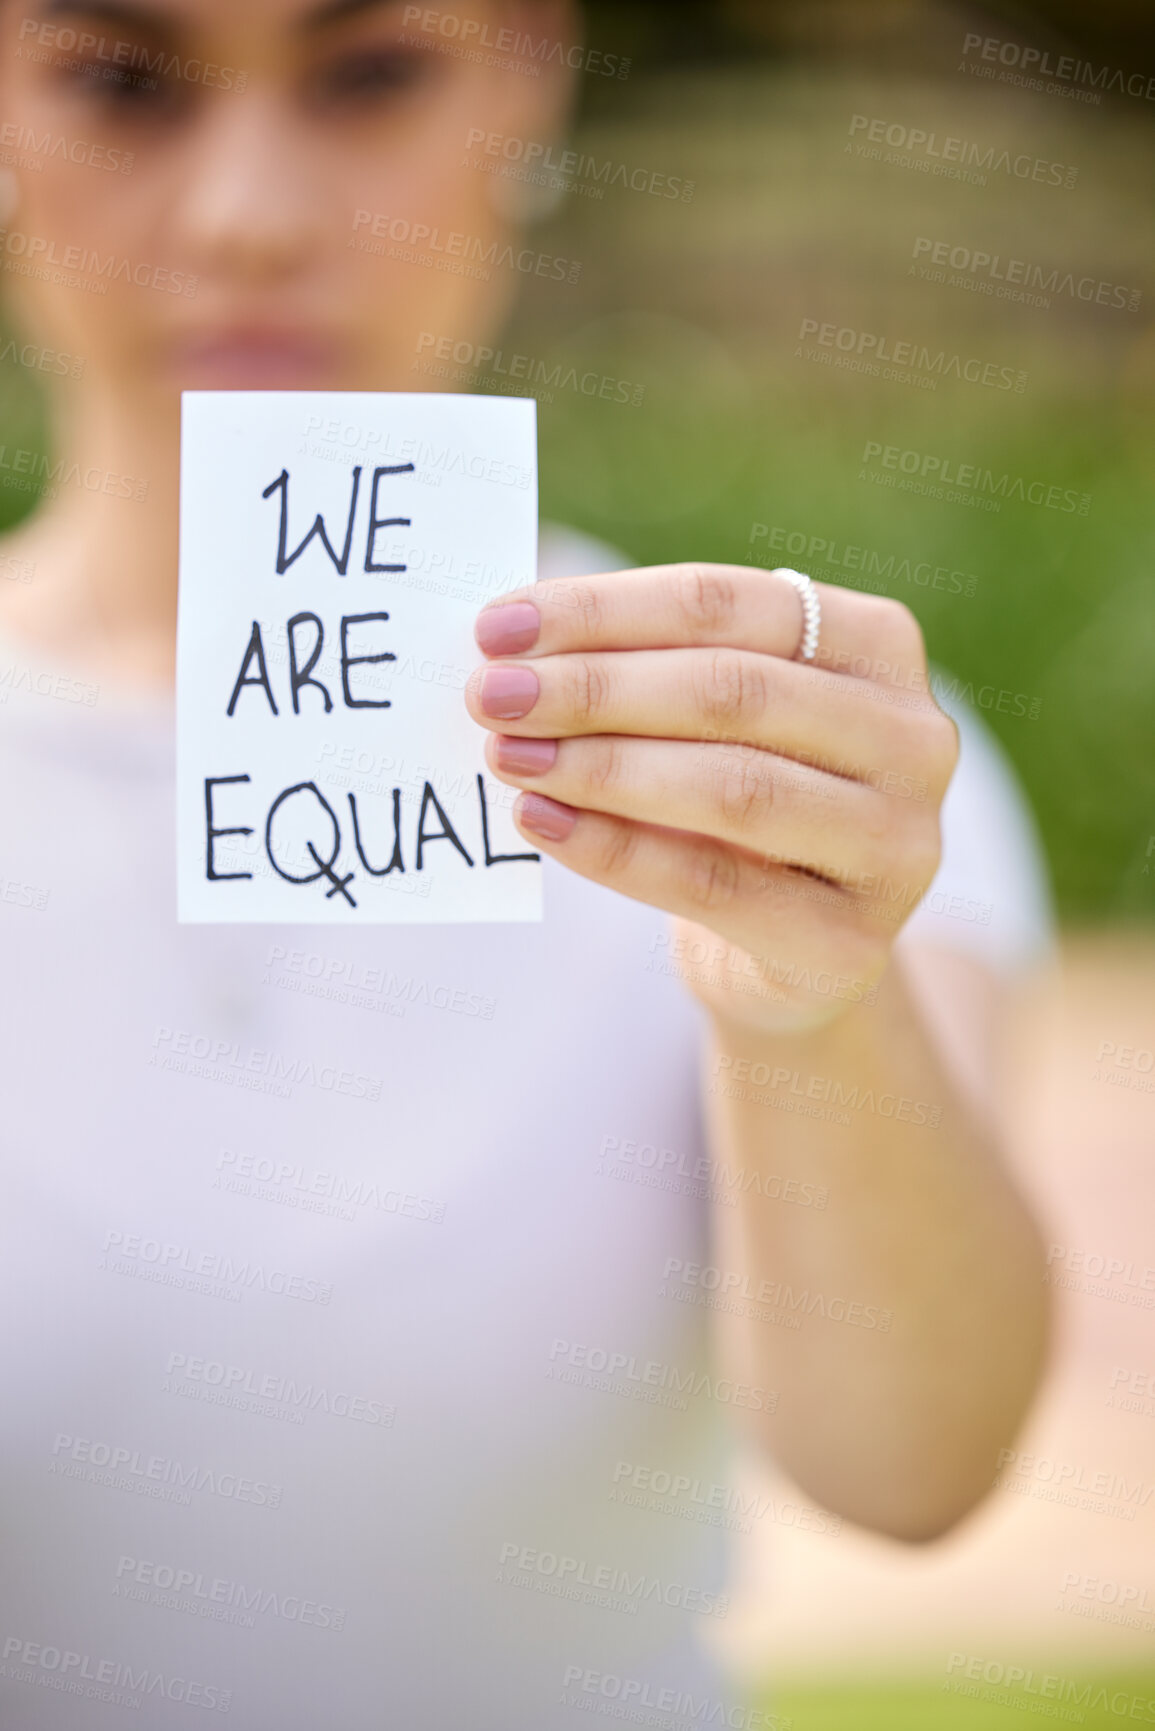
[
  {"x": 370, "y": 76},
  {"x": 123, "y": 91}
]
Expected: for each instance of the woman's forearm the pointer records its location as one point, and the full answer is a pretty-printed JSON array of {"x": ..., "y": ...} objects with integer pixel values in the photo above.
[{"x": 873, "y": 1263}]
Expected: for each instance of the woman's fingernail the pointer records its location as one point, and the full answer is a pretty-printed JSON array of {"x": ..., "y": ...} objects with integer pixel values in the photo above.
[
  {"x": 524, "y": 756},
  {"x": 508, "y": 693},
  {"x": 509, "y": 629},
  {"x": 544, "y": 817}
]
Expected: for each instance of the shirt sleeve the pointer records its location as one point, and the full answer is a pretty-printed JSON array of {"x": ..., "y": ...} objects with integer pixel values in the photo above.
[
  {"x": 991, "y": 897},
  {"x": 567, "y": 553}
]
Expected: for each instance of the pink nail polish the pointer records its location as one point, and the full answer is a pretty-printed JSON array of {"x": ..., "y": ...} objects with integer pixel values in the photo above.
[
  {"x": 545, "y": 817},
  {"x": 509, "y": 629},
  {"x": 524, "y": 756},
  {"x": 508, "y": 693}
]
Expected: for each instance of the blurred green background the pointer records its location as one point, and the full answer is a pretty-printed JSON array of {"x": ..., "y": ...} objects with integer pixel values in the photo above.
[{"x": 702, "y": 302}]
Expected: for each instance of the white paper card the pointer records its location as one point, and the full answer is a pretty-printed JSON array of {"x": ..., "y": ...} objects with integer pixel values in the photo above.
[{"x": 335, "y": 548}]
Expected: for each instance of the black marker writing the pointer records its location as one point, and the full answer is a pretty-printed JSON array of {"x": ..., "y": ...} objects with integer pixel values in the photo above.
[
  {"x": 255, "y": 647},
  {"x": 340, "y": 561},
  {"x": 445, "y": 833},
  {"x": 328, "y": 868},
  {"x": 396, "y": 863},
  {"x": 284, "y": 557},
  {"x": 348, "y": 660},
  {"x": 323, "y": 867},
  {"x": 376, "y": 522},
  {"x": 494, "y": 858},
  {"x": 340, "y": 885},
  {"x": 301, "y": 826},
  {"x": 211, "y": 833},
  {"x": 302, "y": 675}
]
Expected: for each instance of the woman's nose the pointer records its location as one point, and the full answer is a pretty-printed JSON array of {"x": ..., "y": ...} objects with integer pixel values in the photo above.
[{"x": 249, "y": 208}]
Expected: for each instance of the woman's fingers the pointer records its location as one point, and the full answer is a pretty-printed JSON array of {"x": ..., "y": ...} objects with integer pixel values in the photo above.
[
  {"x": 726, "y": 696},
  {"x": 777, "y": 935},
  {"x": 673, "y": 749},
  {"x": 775, "y": 809},
  {"x": 727, "y": 606}
]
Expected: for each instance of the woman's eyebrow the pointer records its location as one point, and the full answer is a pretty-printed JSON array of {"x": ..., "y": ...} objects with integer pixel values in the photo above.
[
  {"x": 131, "y": 16},
  {"x": 123, "y": 12},
  {"x": 337, "y": 11}
]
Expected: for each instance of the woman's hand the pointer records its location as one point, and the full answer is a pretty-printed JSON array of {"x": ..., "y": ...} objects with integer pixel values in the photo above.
[{"x": 672, "y": 749}]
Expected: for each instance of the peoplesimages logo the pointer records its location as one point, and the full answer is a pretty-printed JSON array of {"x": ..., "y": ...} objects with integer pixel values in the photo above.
[
  {"x": 23, "y": 147},
  {"x": 178, "y": 1587},
  {"x": 121, "y": 60},
  {"x": 903, "y": 360},
  {"x": 639, "y": 1702},
  {"x": 161, "y": 1478},
  {"x": 187, "y": 1053},
  {"x": 629, "y": 1161},
  {"x": 461, "y": 254},
  {"x": 1017, "y": 279},
  {"x": 41, "y": 360},
  {"x": 1101, "y": 1274},
  {"x": 1096, "y": 1490},
  {"x": 623, "y": 1373},
  {"x": 219, "y": 1273},
  {"x": 539, "y": 163},
  {"x": 118, "y": 1682},
  {"x": 83, "y": 267},
  {"x": 941, "y": 154},
  {"x": 1106, "y": 1600},
  {"x": 830, "y": 557},
  {"x": 685, "y": 1497},
  {"x": 270, "y": 1395},
  {"x": 606, "y": 1585},
  {"x": 1044, "y": 1692},
  {"x": 768, "y": 1301},
  {"x": 486, "y": 44},
  {"x": 1028, "y": 66},
  {"x": 938, "y": 476}
]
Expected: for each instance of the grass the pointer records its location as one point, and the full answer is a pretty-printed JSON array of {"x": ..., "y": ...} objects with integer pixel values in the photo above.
[{"x": 1096, "y": 1702}]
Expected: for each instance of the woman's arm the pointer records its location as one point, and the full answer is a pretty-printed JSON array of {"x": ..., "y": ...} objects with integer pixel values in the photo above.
[
  {"x": 874, "y": 1262},
  {"x": 788, "y": 817}
]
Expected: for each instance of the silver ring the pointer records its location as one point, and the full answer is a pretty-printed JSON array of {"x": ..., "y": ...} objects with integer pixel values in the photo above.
[{"x": 811, "y": 612}]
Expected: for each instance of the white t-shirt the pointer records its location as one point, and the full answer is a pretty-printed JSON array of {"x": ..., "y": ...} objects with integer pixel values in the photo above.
[{"x": 340, "y": 1388}]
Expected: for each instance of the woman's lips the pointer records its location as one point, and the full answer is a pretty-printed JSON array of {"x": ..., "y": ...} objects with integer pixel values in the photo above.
[{"x": 255, "y": 360}]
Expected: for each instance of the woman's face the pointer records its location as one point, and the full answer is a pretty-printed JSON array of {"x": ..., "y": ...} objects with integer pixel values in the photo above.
[{"x": 262, "y": 194}]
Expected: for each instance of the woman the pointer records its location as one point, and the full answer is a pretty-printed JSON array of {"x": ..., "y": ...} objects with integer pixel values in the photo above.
[{"x": 398, "y": 1404}]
